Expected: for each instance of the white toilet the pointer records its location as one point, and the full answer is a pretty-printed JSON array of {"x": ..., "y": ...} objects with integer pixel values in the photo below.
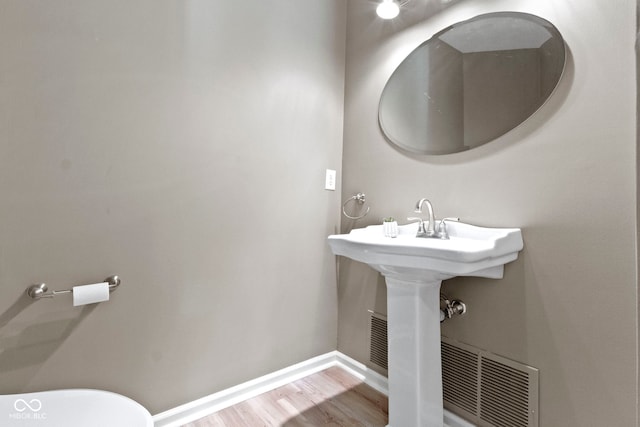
[{"x": 72, "y": 408}]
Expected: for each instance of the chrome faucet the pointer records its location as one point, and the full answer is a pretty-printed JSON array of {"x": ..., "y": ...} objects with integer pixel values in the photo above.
[
  {"x": 431, "y": 228},
  {"x": 430, "y": 231}
]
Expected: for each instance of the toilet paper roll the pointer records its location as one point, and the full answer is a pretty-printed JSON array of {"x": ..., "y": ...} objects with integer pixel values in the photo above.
[{"x": 89, "y": 294}]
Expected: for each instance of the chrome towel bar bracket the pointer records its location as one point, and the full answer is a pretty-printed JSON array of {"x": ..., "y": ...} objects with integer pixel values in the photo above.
[{"x": 41, "y": 290}]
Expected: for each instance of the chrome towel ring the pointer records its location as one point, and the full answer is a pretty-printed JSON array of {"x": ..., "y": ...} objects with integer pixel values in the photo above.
[{"x": 360, "y": 199}]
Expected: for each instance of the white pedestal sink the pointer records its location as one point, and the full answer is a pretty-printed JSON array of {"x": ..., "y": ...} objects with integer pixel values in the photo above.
[{"x": 414, "y": 268}]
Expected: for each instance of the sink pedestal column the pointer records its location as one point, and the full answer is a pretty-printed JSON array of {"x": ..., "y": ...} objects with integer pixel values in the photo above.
[{"x": 415, "y": 372}]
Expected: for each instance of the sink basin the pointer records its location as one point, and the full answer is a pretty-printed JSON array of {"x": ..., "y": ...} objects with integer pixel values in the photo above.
[
  {"x": 469, "y": 251},
  {"x": 414, "y": 269}
]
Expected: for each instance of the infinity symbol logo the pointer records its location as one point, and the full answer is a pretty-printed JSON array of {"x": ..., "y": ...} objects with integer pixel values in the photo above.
[{"x": 21, "y": 405}]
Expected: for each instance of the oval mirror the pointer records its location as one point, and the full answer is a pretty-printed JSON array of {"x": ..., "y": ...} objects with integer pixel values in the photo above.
[{"x": 471, "y": 83}]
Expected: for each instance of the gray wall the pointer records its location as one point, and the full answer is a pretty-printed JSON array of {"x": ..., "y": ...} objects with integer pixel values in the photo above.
[
  {"x": 567, "y": 177},
  {"x": 183, "y": 146}
]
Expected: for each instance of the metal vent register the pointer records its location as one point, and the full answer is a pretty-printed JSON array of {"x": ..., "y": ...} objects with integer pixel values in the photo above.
[
  {"x": 486, "y": 389},
  {"x": 378, "y": 349}
]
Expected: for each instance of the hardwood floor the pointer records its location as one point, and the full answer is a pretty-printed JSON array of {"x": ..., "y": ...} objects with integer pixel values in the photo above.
[{"x": 329, "y": 398}]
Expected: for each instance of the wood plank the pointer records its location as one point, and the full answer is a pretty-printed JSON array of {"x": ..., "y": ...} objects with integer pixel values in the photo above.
[{"x": 331, "y": 398}]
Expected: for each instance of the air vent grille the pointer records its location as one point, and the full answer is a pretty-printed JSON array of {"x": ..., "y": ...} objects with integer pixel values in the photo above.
[
  {"x": 460, "y": 377},
  {"x": 488, "y": 389},
  {"x": 378, "y": 349},
  {"x": 504, "y": 395}
]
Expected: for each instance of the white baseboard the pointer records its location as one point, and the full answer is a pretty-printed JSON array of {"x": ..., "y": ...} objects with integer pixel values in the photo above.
[{"x": 207, "y": 405}]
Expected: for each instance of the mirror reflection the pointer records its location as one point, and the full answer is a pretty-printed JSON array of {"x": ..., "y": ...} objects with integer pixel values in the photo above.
[{"x": 471, "y": 83}]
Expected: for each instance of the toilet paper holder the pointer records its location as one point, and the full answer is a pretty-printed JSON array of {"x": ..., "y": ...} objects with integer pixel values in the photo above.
[{"x": 41, "y": 290}]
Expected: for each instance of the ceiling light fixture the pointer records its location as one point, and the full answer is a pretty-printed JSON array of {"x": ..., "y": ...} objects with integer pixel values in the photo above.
[{"x": 388, "y": 9}]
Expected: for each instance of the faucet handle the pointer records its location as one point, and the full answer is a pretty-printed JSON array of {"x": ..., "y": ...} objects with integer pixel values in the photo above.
[
  {"x": 442, "y": 228},
  {"x": 421, "y": 229}
]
